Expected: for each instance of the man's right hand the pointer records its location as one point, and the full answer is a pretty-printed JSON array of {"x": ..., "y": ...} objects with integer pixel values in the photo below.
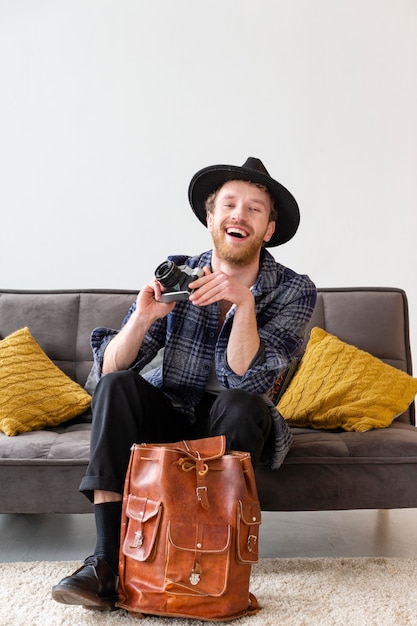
[{"x": 148, "y": 305}]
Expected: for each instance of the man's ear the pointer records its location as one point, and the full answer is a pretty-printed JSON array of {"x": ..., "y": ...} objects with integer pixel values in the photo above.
[
  {"x": 209, "y": 220},
  {"x": 270, "y": 231}
]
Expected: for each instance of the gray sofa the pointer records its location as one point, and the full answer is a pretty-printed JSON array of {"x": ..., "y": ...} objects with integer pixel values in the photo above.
[{"x": 40, "y": 470}]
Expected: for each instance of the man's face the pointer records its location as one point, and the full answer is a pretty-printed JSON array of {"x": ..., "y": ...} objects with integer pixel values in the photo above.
[{"x": 239, "y": 223}]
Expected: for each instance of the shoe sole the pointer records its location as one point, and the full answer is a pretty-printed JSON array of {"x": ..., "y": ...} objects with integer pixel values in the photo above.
[{"x": 72, "y": 595}]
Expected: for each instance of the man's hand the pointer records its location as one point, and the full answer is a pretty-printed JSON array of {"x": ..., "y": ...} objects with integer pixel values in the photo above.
[
  {"x": 148, "y": 305},
  {"x": 217, "y": 286}
]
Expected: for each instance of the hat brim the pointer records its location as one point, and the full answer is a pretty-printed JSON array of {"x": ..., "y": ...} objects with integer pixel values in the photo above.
[{"x": 209, "y": 179}]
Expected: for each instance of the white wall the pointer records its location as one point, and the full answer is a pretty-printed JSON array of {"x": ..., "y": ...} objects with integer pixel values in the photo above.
[{"x": 108, "y": 107}]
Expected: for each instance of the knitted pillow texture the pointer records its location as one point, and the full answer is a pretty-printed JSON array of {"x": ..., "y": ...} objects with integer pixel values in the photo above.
[
  {"x": 339, "y": 386},
  {"x": 34, "y": 392}
]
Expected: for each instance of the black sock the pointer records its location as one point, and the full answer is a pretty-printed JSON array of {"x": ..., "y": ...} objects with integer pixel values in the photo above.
[{"x": 108, "y": 518}]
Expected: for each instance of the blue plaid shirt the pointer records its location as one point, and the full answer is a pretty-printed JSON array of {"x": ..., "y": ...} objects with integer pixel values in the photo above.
[{"x": 284, "y": 302}]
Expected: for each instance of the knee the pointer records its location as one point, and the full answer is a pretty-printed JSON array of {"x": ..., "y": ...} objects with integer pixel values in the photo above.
[
  {"x": 243, "y": 408},
  {"x": 115, "y": 384},
  {"x": 115, "y": 379},
  {"x": 113, "y": 387},
  {"x": 244, "y": 418},
  {"x": 240, "y": 401}
]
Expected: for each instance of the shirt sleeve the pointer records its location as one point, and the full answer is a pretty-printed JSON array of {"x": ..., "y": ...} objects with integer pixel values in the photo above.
[
  {"x": 283, "y": 315},
  {"x": 152, "y": 343},
  {"x": 100, "y": 339}
]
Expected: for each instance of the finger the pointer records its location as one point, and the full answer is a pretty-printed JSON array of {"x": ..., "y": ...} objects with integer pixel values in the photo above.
[{"x": 156, "y": 289}]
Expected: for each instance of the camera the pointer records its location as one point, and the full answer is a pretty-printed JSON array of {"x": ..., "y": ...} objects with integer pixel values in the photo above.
[{"x": 175, "y": 279}]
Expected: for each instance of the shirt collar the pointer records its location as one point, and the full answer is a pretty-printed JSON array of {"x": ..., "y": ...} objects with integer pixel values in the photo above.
[{"x": 267, "y": 274}]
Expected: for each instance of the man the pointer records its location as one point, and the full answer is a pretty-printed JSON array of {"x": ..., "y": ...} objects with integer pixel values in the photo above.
[{"x": 223, "y": 349}]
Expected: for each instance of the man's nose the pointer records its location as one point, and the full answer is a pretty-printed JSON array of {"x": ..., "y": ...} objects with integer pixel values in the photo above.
[{"x": 238, "y": 211}]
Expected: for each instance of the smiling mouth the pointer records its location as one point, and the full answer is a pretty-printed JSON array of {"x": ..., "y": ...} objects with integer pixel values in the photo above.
[{"x": 238, "y": 233}]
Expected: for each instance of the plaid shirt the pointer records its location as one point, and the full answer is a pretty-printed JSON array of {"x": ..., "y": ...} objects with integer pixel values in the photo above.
[{"x": 189, "y": 335}]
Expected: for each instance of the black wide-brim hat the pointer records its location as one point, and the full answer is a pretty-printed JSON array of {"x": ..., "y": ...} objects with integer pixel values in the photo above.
[{"x": 209, "y": 179}]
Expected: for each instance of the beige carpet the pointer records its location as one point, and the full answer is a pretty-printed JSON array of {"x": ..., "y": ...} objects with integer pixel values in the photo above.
[{"x": 292, "y": 592}]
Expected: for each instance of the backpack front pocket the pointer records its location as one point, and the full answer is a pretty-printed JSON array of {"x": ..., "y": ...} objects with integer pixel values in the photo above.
[
  {"x": 197, "y": 558},
  {"x": 144, "y": 516},
  {"x": 248, "y": 522}
]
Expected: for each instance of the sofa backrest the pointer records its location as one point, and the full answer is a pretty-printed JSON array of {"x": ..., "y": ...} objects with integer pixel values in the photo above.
[
  {"x": 373, "y": 319},
  {"x": 62, "y": 321}
]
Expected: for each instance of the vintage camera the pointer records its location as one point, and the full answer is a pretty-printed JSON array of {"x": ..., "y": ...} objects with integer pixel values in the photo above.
[{"x": 175, "y": 279}]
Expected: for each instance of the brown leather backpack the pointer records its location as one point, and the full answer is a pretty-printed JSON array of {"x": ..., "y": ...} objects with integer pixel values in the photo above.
[{"x": 189, "y": 532}]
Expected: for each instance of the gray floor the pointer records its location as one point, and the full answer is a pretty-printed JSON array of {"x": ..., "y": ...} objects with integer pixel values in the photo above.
[{"x": 317, "y": 534}]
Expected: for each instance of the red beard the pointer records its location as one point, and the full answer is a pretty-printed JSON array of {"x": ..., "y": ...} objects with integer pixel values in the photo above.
[{"x": 239, "y": 254}]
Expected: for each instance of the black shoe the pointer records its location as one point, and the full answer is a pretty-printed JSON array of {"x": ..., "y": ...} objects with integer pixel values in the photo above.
[{"x": 93, "y": 585}]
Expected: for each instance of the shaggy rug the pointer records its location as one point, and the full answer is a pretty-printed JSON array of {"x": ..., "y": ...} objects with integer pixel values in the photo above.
[{"x": 292, "y": 592}]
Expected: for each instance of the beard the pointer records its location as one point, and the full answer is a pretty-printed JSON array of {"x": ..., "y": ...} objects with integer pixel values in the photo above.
[{"x": 238, "y": 255}]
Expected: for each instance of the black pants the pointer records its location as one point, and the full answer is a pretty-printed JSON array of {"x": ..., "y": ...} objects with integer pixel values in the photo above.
[{"x": 127, "y": 409}]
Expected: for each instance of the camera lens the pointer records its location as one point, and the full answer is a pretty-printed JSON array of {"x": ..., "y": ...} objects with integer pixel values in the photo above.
[{"x": 168, "y": 274}]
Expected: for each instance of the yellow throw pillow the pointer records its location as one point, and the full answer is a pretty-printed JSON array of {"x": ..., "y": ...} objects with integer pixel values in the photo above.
[
  {"x": 340, "y": 386},
  {"x": 34, "y": 392}
]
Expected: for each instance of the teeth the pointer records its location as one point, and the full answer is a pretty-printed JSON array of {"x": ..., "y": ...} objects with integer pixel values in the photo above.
[{"x": 236, "y": 232}]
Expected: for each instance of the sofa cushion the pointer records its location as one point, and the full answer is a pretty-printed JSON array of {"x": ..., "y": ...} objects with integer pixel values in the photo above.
[
  {"x": 339, "y": 386},
  {"x": 34, "y": 393}
]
